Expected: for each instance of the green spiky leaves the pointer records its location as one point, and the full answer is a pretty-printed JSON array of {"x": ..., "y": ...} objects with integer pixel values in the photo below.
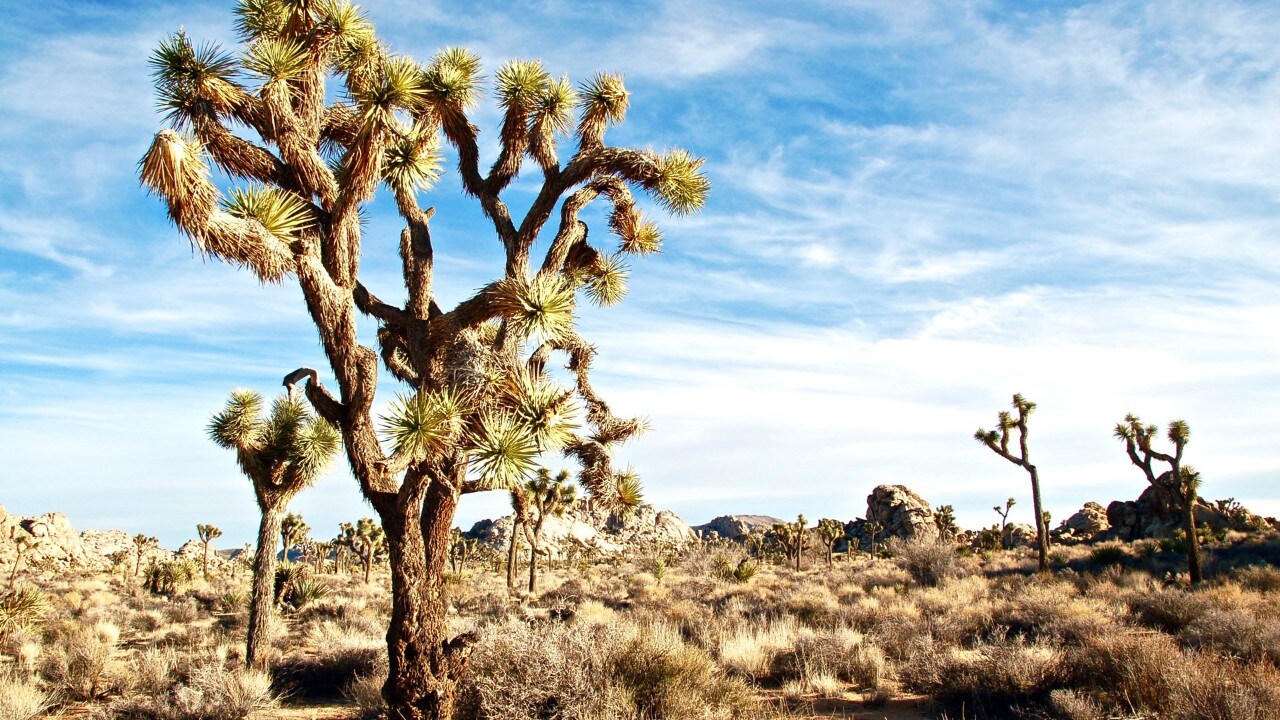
[
  {"x": 277, "y": 60},
  {"x": 397, "y": 86},
  {"x": 238, "y": 424},
  {"x": 544, "y": 409},
  {"x": 314, "y": 445},
  {"x": 520, "y": 84},
  {"x": 608, "y": 286},
  {"x": 604, "y": 99},
  {"x": 452, "y": 81},
  {"x": 186, "y": 74},
  {"x": 538, "y": 308},
  {"x": 682, "y": 186},
  {"x": 503, "y": 451},
  {"x": 264, "y": 19},
  {"x": 644, "y": 239},
  {"x": 628, "y": 492},
  {"x": 412, "y": 163},
  {"x": 424, "y": 425},
  {"x": 281, "y": 213}
]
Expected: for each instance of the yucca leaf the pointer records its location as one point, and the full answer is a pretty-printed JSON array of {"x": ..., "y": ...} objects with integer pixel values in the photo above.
[
  {"x": 542, "y": 307},
  {"x": 609, "y": 285},
  {"x": 282, "y": 213},
  {"x": 544, "y": 408},
  {"x": 521, "y": 83},
  {"x": 413, "y": 163},
  {"x": 645, "y": 239},
  {"x": 276, "y": 60},
  {"x": 264, "y": 19},
  {"x": 238, "y": 424},
  {"x": 682, "y": 186},
  {"x": 398, "y": 85},
  {"x": 425, "y": 424},
  {"x": 605, "y": 98},
  {"x": 315, "y": 445},
  {"x": 555, "y": 106},
  {"x": 503, "y": 452},
  {"x": 628, "y": 492},
  {"x": 174, "y": 166},
  {"x": 452, "y": 79}
]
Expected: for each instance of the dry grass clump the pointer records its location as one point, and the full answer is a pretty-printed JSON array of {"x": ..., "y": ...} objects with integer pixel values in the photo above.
[
  {"x": 927, "y": 560},
  {"x": 21, "y": 699},
  {"x": 211, "y": 692},
  {"x": 987, "y": 679},
  {"x": 583, "y": 670}
]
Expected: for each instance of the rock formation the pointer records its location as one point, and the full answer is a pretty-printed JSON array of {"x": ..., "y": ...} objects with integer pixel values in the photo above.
[
  {"x": 51, "y": 542},
  {"x": 594, "y": 530},
  {"x": 1087, "y": 524},
  {"x": 1152, "y": 516},
  {"x": 735, "y": 527},
  {"x": 902, "y": 513}
]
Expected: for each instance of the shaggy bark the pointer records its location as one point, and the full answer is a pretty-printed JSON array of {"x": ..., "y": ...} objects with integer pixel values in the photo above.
[{"x": 262, "y": 602}]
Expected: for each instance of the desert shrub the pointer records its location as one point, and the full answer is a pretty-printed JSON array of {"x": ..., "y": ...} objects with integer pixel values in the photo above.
[
  {"x": 989, "y": 679},
  {"x": 928, "y": 561},
  {"x": 365, "y": 690},
  {"x": 1264, "y": 579},
  {"x": 1107, "y": 555},
  {"x": 342, "y": 653},
  {"x": 843, "y": 654},
  {"x": 21, "y": 700},
  {"x": 213, "y": 692},
  {"x": 232, "y": 601},
  {"x": 665, "y": 678},
  {"x": 1235, "y": 632},
  {"x": 741, "y": 572},
  {"x": 78, "y": 664},
  {"x": 167, "y": 578},
  {"x": 22, "y": 609},
  {"x": 1074, "y": 705},
  {"x": 305, "y": 590},
  {"x": 752, "y": 651},
  {"x": 1168, "y": 609}
]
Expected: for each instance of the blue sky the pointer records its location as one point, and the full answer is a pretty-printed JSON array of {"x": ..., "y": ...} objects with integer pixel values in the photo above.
[{"x": 918, "y": 208}]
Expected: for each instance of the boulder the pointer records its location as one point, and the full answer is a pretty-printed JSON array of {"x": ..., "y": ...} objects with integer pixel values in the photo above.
[
  {"x": 47, "y": 542},
  {"x": 1019, "y": 535},
  {"x": 736, "y": 527},
  {"x": 1153, "y": 516},
  {"x": 1090, "y": 522},
  {"x": 902, "y": 512}
]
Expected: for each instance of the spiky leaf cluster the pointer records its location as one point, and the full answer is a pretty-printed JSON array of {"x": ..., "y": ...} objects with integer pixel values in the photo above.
[
  {"x": 425, "y": 424},
  {"x": 281, "y": 213},
  {"x": 541, "y": 308}
]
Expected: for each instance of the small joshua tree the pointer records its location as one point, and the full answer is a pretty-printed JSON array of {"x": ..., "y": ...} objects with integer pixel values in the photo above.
[
  {"x": 519, "y": 517},
  {"x": 873, "y": 529},
  {"x": 998, "y": 442},
  {"x": 281, "y": 454},
  {"x": 293, "y": 532},
  {"x": 1178, "y": 485},
  {"x": 320, "y": 552},
  {"x": 547, "y": 496},
  {"x": 207, "y": 534},
  {"x": 793, "y": 537},
  {"x": 1004, "y": 518},
  {"x": 141, "y": 544},
  {"x": 945, "y": 520},
  {"x": 23, "y": 543},
  {"x": 830, "y": 531},
  {"x": 366, "y": 540}
]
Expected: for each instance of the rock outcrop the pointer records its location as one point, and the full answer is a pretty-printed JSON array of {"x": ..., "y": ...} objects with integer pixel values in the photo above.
[
  {"x": 1019, "y": 535},
  {"x": 1152, "y": 516},
  {"x": 594, "y": 530},
  {"x": 902, "y": 512},
  {"x": 735, "y": 527},
  {"x": 1087, "y": 524},
  {"x": 46, "y": 542}
]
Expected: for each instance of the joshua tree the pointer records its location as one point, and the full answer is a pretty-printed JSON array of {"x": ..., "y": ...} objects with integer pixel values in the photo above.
[
  {"x": 293, "y": 531},
  {"x": 366, "y": 539},
  {"x": 519, "y": 517},
  {"x": 23, "y": 542},
  {"x": 873, "y": 528},
  {"x": 998, "y": 441},
  {"x": 547, "y": 496},
  {"x": 141, "y": 544},
  {"x": 461, "y": 550},
  {"x": 831, "y": 531},
  {"x": 945, "y": 519},
  {"x": 480, "y": 408},
  {"x": 793, "y": 537},
  {"x": 320, "y": 551},
  {"x": 1004, "y": 518},
  {"x": 281, "y": 454},
  {"x": 207, "y": 534},
  {"x": 1178, "y": 485}
]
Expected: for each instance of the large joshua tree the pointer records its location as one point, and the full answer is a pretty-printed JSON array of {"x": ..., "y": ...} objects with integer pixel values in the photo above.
[
  {"x": 479, "y": 408},
  {"x": 281, "y": 454},
  {"x": 1178, "y": 485},
  {"x": 998, "y": 442}
]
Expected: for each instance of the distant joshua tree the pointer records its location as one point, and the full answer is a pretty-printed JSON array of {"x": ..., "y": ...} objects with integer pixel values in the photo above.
[
  {"x": 281, "y": 454},
  {"x": 207, "y": 534},
  {"x": 1178, "y": 485},
  {"x": 998, "y": 442},
  {"x": 1004, "y": 518},
  {"x": 830, "y": 531},
  {"x": 945, "y": 520},
  {"x": 23, "y": 543},
  {"x": 547, "y": 496},
  {"x": 365, "y": 539},
  {"x": 794, "y": 538},
  {"x": 873, "y": 528},
  {"x": 320, "y": 552},
  {"x": 293, "y": 532},
  {"x": 141, "y": 544}
]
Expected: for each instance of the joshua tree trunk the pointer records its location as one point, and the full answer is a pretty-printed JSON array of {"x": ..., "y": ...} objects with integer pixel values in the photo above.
[
  {"x": 1193, "y": 541},
  {"x": 1042, "y": 528},
  {"x": 533, "y": 569},
  {"x": 418, "y": 544},
  {"x": 513, "y": 557},
  {"x": 264, "y": 577}
]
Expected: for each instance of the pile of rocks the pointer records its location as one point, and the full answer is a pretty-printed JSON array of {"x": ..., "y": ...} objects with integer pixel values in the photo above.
[
  {"x": 735, "y": 527},
  {"x": 595, "y": 530}
]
